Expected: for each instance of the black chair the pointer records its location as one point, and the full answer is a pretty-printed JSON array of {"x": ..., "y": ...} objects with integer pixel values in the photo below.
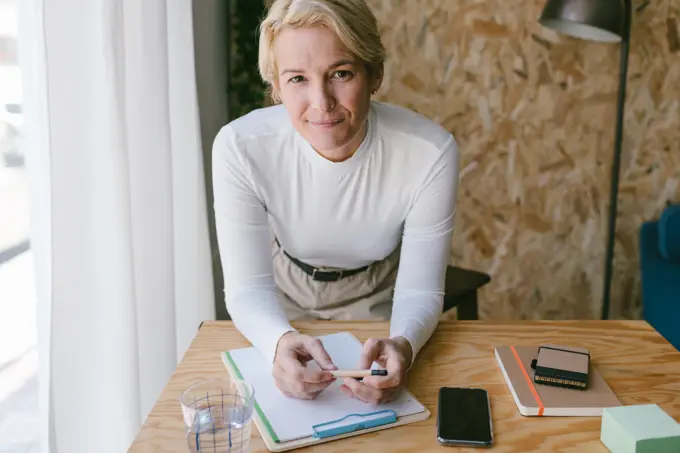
[{"x": 461, "y": 291}]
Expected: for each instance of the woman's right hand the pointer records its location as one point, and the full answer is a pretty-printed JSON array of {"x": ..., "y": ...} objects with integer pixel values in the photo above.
[{"x": 294, "y": 350}]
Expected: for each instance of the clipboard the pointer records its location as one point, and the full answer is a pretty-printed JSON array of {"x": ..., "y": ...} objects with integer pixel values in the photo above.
[{"x": 348, "y": 425}]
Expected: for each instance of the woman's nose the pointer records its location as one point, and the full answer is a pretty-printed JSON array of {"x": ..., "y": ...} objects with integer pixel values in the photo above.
[{"x": 322, "y": 98}]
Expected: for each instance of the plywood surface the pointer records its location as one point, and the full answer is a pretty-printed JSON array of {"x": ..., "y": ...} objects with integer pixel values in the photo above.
[
  {"x": 534, "y": 113},
  {"x": 639, "y": 365}
]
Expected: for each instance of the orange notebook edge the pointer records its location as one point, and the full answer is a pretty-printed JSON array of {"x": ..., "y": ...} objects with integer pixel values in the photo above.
[
  {"x": 506, "y": 356},
  {"x": 530, "y": 384}
]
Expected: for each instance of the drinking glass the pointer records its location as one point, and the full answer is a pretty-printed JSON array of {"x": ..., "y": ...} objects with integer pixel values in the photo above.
[{"x": 217, "y": 415}]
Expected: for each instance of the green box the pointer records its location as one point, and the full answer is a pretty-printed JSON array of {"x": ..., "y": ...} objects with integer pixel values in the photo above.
[{"x": 643, "y": 428}]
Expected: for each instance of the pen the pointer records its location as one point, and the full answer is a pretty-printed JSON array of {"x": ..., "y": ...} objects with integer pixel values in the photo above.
[{"x": 358, "y": 373}]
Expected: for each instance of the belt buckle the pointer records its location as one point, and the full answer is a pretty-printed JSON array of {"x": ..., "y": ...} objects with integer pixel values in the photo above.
[{"x": 338, "y": 275}]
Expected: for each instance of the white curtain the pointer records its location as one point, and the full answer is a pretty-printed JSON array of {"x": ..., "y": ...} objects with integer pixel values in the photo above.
[{"x": 119, "y": 219}]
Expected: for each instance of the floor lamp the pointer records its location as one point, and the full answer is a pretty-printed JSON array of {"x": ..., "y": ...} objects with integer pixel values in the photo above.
[{"x": 603, "y": 21}]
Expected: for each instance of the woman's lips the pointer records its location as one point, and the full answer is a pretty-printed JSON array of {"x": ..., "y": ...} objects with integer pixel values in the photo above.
[{"x": 326, "y": 124}]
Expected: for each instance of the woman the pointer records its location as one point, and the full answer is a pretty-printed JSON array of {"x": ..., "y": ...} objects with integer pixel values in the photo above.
[{"x": 331, "y": 205}]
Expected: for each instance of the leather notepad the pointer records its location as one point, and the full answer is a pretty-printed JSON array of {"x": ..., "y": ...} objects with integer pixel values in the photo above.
[{"x": 561, "y": 366}]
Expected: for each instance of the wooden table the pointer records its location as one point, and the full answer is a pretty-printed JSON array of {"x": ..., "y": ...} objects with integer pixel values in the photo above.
[{"x": 639, "y": 365}]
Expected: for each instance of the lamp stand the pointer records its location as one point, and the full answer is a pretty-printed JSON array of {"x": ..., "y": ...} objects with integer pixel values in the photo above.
[{"x": 616, "y": 165}]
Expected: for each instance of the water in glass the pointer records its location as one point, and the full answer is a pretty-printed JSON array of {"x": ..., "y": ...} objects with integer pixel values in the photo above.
[{"x": 218, "y": 416}]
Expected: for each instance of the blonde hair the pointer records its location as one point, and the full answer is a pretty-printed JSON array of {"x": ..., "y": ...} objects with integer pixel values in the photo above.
[{"x": 351, "y": 20}]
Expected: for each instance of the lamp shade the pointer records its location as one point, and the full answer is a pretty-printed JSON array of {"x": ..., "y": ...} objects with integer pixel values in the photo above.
[{"x": 595, "y": 20}]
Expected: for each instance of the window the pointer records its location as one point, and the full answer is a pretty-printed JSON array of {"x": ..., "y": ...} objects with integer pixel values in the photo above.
[{"x": 18, "y": 332}]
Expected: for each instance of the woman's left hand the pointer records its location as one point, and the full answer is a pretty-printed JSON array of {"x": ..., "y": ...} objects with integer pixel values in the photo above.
[{"x": 393, "y": 354}]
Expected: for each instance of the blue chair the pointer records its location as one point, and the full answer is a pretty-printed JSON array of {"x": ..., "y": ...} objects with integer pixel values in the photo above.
[{"x": 660, "y": 268}]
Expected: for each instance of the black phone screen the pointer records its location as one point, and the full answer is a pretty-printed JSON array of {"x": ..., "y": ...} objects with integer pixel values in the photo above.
[{"x": 463, "y": 416}]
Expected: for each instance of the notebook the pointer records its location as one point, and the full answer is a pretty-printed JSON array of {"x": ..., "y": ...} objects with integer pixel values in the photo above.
[
  {"x": 562, "y": 366},
  {"x": 545, "y": 400},
  {"x": 286, "y": 423}
]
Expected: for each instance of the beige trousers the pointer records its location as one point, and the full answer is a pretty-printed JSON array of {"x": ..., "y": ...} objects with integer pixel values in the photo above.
[{"x": 363, "y": 296}]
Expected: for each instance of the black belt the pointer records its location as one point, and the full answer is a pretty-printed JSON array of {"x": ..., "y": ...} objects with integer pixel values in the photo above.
[{"x": 319, "y": 275}]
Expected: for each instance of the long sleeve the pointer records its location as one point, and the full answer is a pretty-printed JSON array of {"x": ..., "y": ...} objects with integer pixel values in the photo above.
[
  {"x": 419, "y": 289},
  {"x": 245, "y": 248}
]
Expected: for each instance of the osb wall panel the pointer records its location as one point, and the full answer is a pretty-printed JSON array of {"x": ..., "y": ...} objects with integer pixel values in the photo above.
[{"x": 534, "y": 114}]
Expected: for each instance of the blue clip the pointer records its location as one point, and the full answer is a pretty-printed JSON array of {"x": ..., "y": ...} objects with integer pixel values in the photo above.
[{"x": 341, "y": 426}]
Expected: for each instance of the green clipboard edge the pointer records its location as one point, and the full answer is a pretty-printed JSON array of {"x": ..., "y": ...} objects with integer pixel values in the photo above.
[{"x": 264, "y": 419}]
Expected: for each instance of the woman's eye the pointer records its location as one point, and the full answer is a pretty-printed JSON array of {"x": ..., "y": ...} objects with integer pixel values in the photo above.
[
  {"x": 296, "y": 79},
  {"x": 343, "y": 74}
]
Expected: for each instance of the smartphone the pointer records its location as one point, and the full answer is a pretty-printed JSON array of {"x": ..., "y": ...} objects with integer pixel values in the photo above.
[{"x": 464, "y": 417}]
